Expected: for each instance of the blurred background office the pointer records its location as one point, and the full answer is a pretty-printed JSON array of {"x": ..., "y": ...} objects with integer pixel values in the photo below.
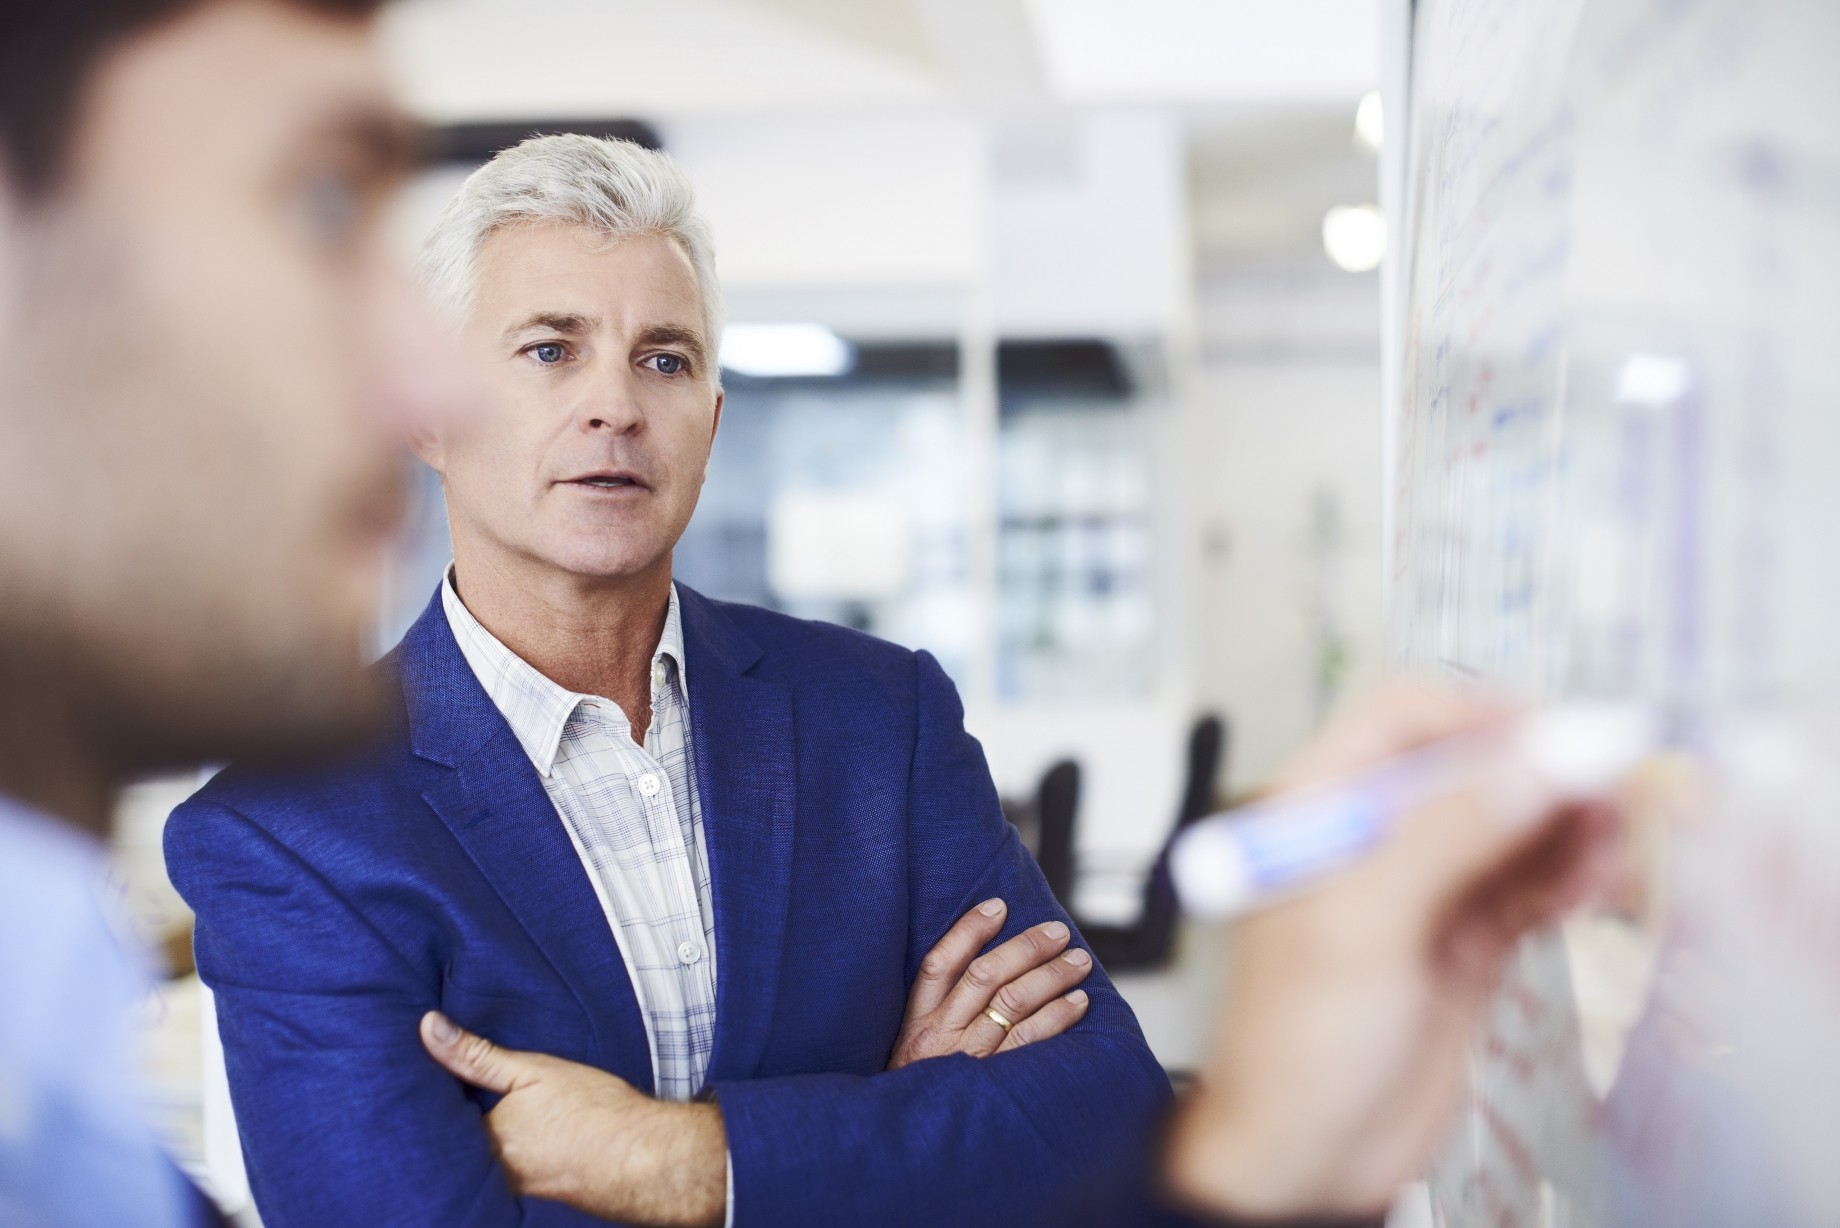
[{"x": 1054, "y": 348}]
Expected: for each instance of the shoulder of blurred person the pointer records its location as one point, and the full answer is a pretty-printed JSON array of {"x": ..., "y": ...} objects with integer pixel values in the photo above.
[{"x": 71, "y": 985}]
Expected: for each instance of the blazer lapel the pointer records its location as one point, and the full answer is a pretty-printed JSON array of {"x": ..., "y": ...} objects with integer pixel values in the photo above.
[
  {"x": 742, "y": 729},
  {"x": 492, "y": 800}
]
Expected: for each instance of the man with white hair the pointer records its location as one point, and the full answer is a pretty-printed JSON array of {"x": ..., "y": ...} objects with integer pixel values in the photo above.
[{"x": 745, "y": 863}]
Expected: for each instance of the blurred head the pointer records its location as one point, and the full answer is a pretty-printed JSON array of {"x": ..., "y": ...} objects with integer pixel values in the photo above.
[
  {"x": 582, "y": 282},
  {"x": 200, "y": 341}
]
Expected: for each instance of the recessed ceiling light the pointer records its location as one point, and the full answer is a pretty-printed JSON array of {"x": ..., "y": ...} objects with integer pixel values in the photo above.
[
  {"x": 1654, "y": 380},
  {"x": 1369, "y": 121},
  {"x": 1355, "y": 237}
]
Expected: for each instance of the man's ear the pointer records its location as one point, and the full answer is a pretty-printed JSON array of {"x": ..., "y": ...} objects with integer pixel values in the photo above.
[
  {"x": 714, "y": 426},
  {"x": 426, "y": 443}
]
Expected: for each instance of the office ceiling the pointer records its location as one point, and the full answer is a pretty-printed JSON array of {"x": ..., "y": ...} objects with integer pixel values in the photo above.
[
  {"x": 1264, "y": 89},
  {"x": 495, "y": 59},
  {"x": 1260, "y": 180},
  {"x": 894, "y": 30}
]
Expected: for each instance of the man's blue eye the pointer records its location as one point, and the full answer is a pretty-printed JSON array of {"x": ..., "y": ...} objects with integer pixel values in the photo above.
[
  {"x": 548, "y": 353},
  {"x": 667, "y": 364}
]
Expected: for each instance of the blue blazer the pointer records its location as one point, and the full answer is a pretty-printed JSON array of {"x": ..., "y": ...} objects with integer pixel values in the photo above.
[{"x": 850, "y": 821}]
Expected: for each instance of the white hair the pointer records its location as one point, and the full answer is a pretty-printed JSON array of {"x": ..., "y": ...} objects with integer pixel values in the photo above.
[{"x": 618, "y": 188}]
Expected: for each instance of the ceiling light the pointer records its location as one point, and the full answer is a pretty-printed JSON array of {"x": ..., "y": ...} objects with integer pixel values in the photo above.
[
  {"x": 1369, "y": 122},
  {"x": 1654, "y": 380},
  {"x": 782, "y": 350},
  {"x": 1355, "y": 237}
]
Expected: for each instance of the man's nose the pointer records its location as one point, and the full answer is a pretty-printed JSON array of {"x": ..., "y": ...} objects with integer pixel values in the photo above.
[{"x": 610, "y": 399}]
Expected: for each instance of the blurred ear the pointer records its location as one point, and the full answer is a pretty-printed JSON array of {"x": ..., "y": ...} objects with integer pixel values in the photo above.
[
  {"x": 714, "y": 427},
  {"x": 427, "y": 445}
]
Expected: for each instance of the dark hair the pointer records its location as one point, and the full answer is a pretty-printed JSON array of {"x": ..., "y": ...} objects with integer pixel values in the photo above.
[{"x": 48, "y": 51}]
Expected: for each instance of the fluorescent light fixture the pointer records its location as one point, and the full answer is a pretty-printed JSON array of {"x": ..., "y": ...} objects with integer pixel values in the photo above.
[
  {"x": 1370, "y": 121},
  {"x": 1654, "y": 380},
  {"x": 782, "y": 350},
  {"x": 1355, "y": 237}
]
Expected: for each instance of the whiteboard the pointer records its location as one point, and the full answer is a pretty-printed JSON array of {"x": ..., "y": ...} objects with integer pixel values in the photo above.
[{"x": 1615, "y": 472}]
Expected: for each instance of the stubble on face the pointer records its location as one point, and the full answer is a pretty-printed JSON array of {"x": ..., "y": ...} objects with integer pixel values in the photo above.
[{"x": 197, "y": 493}]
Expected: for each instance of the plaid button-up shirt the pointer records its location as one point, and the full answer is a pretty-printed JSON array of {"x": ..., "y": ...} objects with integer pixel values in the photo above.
[{"x": 633, "y": 816}]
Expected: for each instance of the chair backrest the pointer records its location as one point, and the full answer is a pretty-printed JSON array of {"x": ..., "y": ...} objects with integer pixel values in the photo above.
[
  {"x": 1206, "y": 743},
  {"x": 1057, "y": 805},
  {"x": 1206, "y": 752}
]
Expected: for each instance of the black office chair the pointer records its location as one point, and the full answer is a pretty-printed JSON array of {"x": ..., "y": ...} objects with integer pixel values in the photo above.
[
  {"x": 1149, "y": 942},
  {"x": 1057, "y": 804}
]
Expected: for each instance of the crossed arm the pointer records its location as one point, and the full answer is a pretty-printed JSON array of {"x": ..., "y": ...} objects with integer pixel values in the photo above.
[
  {"x": 1000, "y": 1140},
  {"x": 579, "y": 1135},
  {"x": 954, "y": 1140},
  {"x": 328, "y": 1072}
]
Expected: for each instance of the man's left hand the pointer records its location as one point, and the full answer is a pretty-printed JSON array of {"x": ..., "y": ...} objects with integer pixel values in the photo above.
[
  {"x": 1018, "y": 993},
  {"x": 579, "y": 1135}
]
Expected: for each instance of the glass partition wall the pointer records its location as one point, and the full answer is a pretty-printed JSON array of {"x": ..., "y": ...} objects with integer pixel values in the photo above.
[{"x": 851, "y": 499}]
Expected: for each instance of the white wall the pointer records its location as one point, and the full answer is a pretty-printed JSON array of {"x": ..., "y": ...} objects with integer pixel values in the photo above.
[
  {"x": 1089, "y": 226},
  {"x": 839, "y": 201},
  {"x": 1268, "y": 436}
]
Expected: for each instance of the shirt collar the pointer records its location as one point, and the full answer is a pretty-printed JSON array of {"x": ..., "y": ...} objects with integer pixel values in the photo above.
[{"x": 536, "y": 708}]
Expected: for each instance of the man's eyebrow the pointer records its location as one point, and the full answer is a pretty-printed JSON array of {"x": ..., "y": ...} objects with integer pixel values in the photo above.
[
  {"x": 571, "y": 322},
  {"x": 675, "y": 334}
]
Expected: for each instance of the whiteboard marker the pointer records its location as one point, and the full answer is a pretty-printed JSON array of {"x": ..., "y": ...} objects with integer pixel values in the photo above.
[{"x": 1234, "y": 862}]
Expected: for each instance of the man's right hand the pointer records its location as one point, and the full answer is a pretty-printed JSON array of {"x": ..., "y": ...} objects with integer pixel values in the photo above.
[
  {"x": 1029, "y": 981},
  {"x": 1341, "y": 1053}
]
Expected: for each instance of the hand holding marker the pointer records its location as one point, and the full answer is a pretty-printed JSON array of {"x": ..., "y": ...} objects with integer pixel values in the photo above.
[{"x": 1246, "y": 857}]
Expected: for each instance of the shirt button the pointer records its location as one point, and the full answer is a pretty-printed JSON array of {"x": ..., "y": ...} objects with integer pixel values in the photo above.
[
  {"x": 648, "y": 784},
  {"x": 689, "y": 952}
]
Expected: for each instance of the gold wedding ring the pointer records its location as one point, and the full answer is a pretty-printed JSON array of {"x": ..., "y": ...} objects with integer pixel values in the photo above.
[{"x": 996, "y": 1017}]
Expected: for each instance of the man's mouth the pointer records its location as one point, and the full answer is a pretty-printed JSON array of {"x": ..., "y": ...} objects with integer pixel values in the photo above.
[{"x": 605, "y": 481}]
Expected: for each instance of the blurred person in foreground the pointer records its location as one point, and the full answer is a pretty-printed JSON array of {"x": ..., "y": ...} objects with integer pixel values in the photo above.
[
  {"x": 200, "y": 338},
  {"x": 749, "y": 869},
  {"x": 1339, "y": 1057}
]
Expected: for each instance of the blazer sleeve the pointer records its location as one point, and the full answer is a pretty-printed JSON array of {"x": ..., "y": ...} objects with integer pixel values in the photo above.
[
  {"x": 343, "y": 1118},
  {"x": 952, "y": 1140}
]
